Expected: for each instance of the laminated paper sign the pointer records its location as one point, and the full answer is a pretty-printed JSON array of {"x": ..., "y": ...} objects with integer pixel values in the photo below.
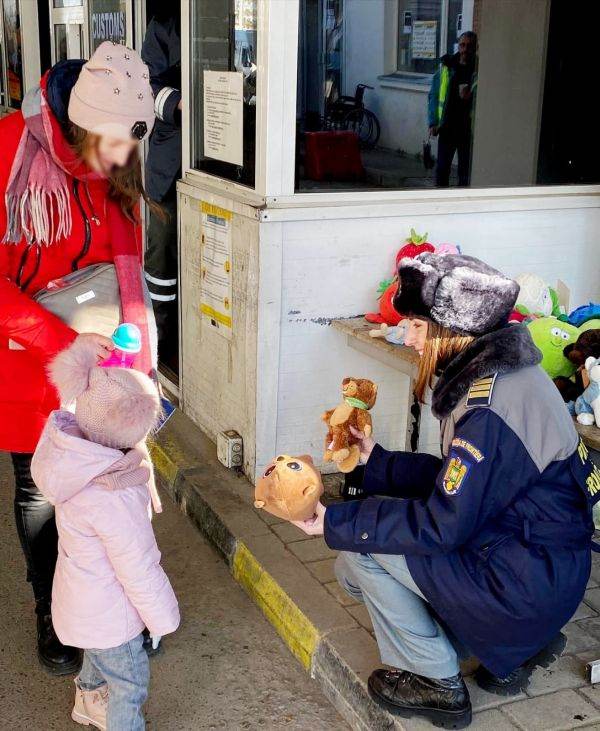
[
  {"x": 215, "y": 268},
  {"x": 424, "y": 39},
  {"x": 224, "y": 116}
]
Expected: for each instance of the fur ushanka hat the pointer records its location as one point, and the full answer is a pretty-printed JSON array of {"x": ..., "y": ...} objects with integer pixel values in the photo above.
[{"x": 455, "y": 291}]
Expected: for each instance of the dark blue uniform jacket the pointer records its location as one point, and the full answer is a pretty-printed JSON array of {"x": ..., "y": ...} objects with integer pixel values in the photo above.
[{"x": 497, "y": 533}]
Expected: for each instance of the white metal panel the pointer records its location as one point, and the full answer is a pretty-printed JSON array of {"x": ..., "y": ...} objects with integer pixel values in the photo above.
[
  {"x": 218, "y": 376},
  {"x": 276, "y": 81},
  {"x": 186, "y": 87},
  {"x": 268, "y": 342}
]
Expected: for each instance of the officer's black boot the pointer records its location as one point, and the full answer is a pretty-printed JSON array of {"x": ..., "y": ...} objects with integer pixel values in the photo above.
[
  {"x": 518, "y": 681},
  {"x": 56, "y": 658},
  {"x": 444, "y": 702}
]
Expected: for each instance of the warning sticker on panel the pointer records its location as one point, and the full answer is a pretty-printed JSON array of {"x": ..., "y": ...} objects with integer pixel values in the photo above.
[{"x": 216, "y": 268}]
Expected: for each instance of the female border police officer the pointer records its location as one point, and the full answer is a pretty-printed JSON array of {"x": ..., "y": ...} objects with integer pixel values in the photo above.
[{"x": 491, "y": 544}]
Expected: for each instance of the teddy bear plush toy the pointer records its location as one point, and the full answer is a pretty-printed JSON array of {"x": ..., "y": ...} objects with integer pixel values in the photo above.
[
  {"x": 290, "y": 488},
  {"x": 586, "y": 346},
  {"x": 587, "y": 406},
  {"x": 359, "y": 395}
]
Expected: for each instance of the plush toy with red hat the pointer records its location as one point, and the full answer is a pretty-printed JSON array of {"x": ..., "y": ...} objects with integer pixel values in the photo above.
[{"x": 387, "y": 315}]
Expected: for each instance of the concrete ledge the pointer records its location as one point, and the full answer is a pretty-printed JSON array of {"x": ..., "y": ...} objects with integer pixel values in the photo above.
[{"x": 320, "y": 633}]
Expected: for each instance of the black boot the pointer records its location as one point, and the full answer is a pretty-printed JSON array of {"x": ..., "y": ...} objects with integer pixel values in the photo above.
[
  {"x": 444, "y": 702},
  {"x": 518, "y": 681},
  {"x": 56, "y": 658}
]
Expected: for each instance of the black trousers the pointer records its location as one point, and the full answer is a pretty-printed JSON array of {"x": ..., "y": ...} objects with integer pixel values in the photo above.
[
  {"x": 36, "y": 527},
  {"x": 161, "y": 267},
  {"x": 450, "y": 143}
]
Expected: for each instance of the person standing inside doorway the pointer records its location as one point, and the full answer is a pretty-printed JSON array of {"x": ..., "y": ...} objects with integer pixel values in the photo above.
[
  {"x": 450, "y": 109},
  {"x": 162, "y": 53}
]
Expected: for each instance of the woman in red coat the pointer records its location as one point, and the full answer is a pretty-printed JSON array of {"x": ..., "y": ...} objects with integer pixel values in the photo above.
[{"x": 71, "y": 181}]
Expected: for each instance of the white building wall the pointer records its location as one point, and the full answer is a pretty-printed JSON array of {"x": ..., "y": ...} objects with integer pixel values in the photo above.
[{"x": 332, "y": 268}]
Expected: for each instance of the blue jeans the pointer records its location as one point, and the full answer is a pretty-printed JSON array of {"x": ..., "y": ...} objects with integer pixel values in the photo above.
[
  {"x": 408, "y": 635},
  {"x": 126, "y": 671}
]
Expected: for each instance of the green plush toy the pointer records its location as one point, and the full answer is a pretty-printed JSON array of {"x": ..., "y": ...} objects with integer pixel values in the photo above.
[{"x": 552, "y": 336}]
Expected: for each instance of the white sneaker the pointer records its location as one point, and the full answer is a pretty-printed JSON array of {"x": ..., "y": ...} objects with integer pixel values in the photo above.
[{"x": 90, "y": 707}]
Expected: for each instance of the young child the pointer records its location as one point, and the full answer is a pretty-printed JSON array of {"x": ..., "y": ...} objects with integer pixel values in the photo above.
[{"x": 94, "y": 467}]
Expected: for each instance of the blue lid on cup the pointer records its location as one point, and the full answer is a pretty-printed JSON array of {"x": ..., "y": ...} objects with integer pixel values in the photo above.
[{"x": 128, "y": 338}]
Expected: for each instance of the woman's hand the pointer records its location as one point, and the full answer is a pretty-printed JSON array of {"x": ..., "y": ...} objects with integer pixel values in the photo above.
[
  {"x": 313, "y": 526},
  {"x": 365, "y": 444},
  {"x": 94, "y": 344}
]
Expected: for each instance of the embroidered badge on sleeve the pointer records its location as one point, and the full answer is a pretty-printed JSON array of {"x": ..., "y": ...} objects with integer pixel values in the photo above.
[
  {"x": 455, "y": 475},
  {"x": 468, "y": 447}
]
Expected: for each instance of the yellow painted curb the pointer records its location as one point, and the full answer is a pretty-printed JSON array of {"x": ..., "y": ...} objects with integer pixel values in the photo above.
[
  {"x": 164, "y": 460},
  {"x": 299, "y": 634}
]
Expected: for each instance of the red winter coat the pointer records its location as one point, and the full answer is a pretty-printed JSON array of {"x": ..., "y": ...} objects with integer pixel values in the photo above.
[{"x": 26, "y": 396}]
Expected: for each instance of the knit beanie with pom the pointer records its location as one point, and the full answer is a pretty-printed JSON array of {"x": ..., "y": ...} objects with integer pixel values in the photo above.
[
  {"x": 115, "y": 407},
  {"x": 112, "y": 95}
]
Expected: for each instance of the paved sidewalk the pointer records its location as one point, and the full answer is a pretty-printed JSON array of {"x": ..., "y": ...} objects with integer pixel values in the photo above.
[
  {"x": 290, "y": 576},
  {"x": 225, "y": 668}
]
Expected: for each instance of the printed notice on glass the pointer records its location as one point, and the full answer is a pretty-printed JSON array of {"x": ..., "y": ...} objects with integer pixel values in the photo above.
[
  {"x": 224, "y": 116},
  {"x": 215, "y": 268},
  {"x": 424, "y": 39}
]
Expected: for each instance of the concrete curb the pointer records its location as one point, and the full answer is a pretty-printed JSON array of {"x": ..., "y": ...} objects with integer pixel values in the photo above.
[{"x": 323, "y": 637}]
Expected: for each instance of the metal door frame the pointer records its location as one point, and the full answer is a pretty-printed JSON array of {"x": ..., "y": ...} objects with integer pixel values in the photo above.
[
  {"x": 79, "y": 15},
  {"x": 76, "y": 15}
]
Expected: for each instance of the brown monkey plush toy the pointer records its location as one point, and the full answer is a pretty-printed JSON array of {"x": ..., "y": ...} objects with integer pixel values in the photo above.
[
  {"x": 359, "y": 396},
  {"x": 290, "y": 488}
]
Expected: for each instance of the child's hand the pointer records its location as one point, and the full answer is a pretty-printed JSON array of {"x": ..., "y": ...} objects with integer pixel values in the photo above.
[
  {"x": 365, "y": 444},
  {"x": 313, "y": 526},
  {"x": 155, "y": 641},
  {"x": 94, "y": 344}
]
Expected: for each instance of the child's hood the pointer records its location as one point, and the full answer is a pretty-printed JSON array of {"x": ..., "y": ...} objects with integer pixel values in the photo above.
[{"x": 64, "y": 462}]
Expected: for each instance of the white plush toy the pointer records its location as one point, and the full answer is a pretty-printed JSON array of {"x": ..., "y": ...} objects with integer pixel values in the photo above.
[
  {"x": 587, "y": 406},
  {"x": 394, "y": 334},
  {"x": 534, "y": 295}
]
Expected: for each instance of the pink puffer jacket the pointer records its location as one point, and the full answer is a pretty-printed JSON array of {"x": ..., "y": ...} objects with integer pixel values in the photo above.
[{"x": 108, "y": 582}]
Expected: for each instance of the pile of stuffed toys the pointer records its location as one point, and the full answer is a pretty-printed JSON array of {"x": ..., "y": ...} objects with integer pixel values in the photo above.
[
  {"x": 570, "y": 344},
  {"x": 391, "y": 325}
]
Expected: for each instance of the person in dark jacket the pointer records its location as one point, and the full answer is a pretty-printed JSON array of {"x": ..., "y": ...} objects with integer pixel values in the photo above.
[
  {"x": 487, "y": 548},
  {"x": 161, "y": 51},
  {"x": 450, "y": 110}
]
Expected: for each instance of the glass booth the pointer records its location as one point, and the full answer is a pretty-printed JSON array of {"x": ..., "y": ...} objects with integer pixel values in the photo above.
[{"x": 318, "y": 133}]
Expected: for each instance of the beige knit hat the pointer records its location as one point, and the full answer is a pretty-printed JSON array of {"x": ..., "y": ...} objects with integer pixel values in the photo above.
[
  {"x": 116, "y": 407},
  {"x": 112, "y": 95}
]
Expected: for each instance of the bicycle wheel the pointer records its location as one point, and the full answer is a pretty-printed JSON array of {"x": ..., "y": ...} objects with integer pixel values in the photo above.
[{"x": 365, "y": 124}]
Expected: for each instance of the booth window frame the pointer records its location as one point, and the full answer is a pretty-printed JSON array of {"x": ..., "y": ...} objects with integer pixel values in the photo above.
[{"x": 277, "y": 49}]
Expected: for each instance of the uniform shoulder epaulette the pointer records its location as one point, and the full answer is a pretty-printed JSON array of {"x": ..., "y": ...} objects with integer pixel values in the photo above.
[{"x": 480, "y": 393}]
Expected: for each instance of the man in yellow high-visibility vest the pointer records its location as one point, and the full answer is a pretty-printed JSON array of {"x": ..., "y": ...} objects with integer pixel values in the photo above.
[{"x": 451, "y": 100}]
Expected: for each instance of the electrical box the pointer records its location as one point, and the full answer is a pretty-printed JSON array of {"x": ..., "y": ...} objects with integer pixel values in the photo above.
[{"x": 230, "y": 449}]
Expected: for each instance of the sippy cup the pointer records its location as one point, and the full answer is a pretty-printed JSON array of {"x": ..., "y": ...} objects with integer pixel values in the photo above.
[{"x": 127, "y": 339}]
